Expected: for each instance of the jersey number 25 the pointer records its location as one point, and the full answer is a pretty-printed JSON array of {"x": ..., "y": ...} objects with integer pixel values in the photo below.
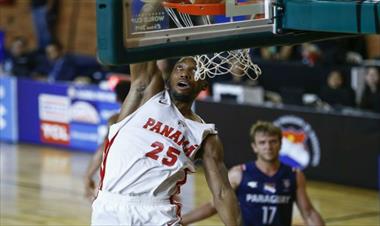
[{"x": 170, "y": 158}]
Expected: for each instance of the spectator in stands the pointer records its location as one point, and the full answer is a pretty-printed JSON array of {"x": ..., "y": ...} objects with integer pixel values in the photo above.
[
  {"x": 20, "y": 62},
  {"x": 44, "y": 14},
  {"x": 277, "y": 53},
  {"x": 370, "y": 98},
  {"x": 335, "y": 94},
  {"x": 311, "y": 54},
  {"x": 62, "y": 66},
  {"x": 343, "y": 51}
]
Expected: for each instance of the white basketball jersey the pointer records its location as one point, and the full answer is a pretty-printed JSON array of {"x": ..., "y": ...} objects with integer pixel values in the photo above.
[{"x": 151, "y": 150}]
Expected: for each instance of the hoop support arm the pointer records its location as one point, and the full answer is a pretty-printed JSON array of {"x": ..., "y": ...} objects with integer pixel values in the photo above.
[{"x": 340, "y": 16}]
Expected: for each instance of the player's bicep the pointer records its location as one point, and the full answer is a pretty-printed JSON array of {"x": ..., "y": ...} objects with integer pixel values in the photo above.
[
  {"x": 235, "y": 176},
  {"x": 145, "y": 77},
  {"x": 146, "y": 81},
  {"x": 302, "y": 199}
]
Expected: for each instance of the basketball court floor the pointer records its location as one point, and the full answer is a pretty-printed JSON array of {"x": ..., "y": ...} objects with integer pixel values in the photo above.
[{"x": 43, "y": 186}]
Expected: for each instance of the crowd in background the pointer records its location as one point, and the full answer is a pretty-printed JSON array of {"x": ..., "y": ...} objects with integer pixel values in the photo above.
[
  {"x": 54, "y": 64},
  {"x": 337, "y": 57},
  {"x": 49, "y": 61}
]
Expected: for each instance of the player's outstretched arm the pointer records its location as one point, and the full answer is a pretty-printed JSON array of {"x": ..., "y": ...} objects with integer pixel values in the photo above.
[
  {"x": 224, "y": 197},
  {"x": 146, "y": 78},
  {"x": 205, "y": 211},
  {"x": 89, "y": 183},
  {"x": 308, "y": 212},
  {"x": 146, "y": 81},
  {"x": 94, "y": 165}
]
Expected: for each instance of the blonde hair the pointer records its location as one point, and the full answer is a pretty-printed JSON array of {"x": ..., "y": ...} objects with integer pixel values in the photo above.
[{"x": 264, "y": 127}]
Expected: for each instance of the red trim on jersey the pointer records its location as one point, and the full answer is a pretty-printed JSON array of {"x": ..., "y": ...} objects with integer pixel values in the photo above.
[
  {"x": 178, "y": 191},
  {"x": 105, "y": 155}
]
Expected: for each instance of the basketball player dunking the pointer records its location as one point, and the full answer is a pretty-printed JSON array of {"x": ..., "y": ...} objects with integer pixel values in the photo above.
[{"x": 151, "y": 148}]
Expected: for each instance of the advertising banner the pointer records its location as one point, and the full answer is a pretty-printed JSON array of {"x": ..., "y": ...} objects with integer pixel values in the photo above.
[
  {"x": 2, "y": 46},
  {"x": 8, "y": 110},
  {"x": 54, "y": 119},
  {"x": 63, "y": 115},
  {"x": 143, "y": 21},
  {"x": 84, "y": 136},
  {"x": 89, "y": 112},
  {"x": 43, "y": 113},
  {"x": 300, "y": 145}
]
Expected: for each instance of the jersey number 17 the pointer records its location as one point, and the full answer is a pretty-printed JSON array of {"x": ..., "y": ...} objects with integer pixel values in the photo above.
[{"x": 268, "y": 214}]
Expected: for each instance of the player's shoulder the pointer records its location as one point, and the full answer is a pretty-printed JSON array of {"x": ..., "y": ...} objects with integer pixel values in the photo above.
[
  {"x": 297, "y": 171},
  {"x": 238, "y": 168},
  {"x": 113, "y": 119},
  {"x": 289, "y": 169},
  {"x": 235, "y": 175},
  {"x": 197, "y": 118}
]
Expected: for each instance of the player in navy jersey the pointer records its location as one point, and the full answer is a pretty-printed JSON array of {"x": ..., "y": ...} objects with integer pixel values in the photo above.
[{"x": 266, "y": 188}]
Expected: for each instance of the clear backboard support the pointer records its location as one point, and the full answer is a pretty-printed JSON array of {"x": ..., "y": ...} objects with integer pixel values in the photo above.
[{"x": 128, "y": 31}]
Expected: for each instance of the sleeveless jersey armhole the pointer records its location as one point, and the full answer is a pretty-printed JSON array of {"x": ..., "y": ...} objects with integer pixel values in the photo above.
[{"x": 114, "y": 128}]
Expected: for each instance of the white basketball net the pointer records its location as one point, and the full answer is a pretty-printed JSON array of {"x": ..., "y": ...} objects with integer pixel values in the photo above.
[{"x": 236, "y": 62}]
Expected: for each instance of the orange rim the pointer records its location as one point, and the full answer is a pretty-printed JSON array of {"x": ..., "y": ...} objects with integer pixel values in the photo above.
[{"x": 197, "y": 9}]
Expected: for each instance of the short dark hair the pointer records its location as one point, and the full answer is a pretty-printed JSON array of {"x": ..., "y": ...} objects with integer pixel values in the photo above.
[
  {"x": 336, "y": 70},
  {"x": 264, "y": 127},
  {"x": 373, "y": 67},
  {"x": 57, "y": 45},
  {"x": 21, "y": 39},
  {"x": 122, "y": 89}
]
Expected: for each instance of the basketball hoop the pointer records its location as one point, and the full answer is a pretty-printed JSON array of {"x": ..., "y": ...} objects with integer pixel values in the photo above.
[
  {"x": 237, "y": 62},
  {"x": 197, "y": 9}
]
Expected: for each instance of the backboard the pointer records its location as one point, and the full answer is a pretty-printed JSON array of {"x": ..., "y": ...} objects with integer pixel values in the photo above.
[
  {"x": 130, "y": 31},
  {"x": 148, "y": 24}
]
